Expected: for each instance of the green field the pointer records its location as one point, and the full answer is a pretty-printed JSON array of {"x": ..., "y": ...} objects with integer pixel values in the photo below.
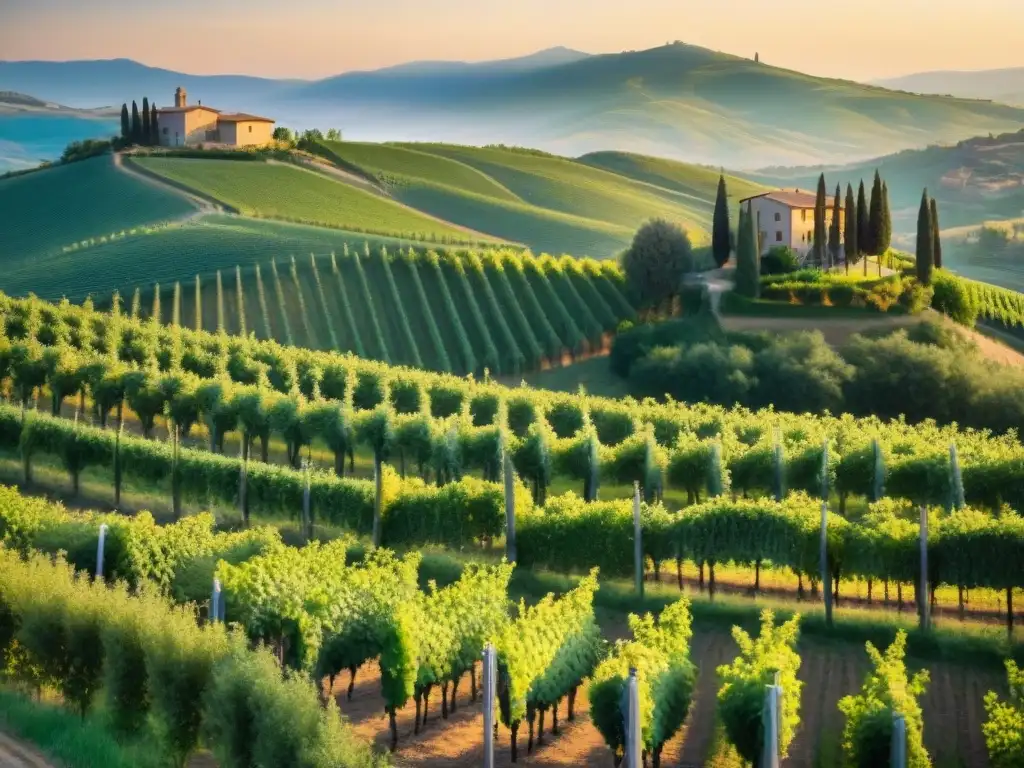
[
  {"x": 458, "y": 313},
  {"x": 44, "y": 212},
  {"x": 295, "y": 194},
  {"x": 551, "y": 204}
]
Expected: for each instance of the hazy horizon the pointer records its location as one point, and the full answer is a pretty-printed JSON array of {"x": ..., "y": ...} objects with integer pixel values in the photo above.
[{"x": 319, "y": 38}]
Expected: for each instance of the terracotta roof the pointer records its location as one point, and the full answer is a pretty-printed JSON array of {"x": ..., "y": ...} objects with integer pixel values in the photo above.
[
  {"x": 172, "y": 110},
  {"x": 792, "y": 198},
  {"x": 243, "y": 118}
]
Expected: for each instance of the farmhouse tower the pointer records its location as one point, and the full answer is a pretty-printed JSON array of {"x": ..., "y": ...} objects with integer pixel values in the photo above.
[{"x": 180, "y": 98}]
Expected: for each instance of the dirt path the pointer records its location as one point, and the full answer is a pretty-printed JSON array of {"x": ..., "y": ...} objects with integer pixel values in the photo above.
[
  {"x": 837, "y": 331},
  {"x": 14, "y": 754},
  {"x": 952, "y": 705},
  {"x": 203, "y": 207}
]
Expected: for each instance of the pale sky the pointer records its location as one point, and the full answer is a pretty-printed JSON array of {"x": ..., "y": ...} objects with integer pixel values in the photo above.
[{"x": 860, "y": 40}]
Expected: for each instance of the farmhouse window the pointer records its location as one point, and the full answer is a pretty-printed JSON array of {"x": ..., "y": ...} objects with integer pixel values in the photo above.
[
  {"x": 803, "y": 214},
  {"x": 166, "y": 130},
  {"x": 250, "y": 129},
  {"x": 778, "y": 236},
  {"x": 778, "y": 217}
]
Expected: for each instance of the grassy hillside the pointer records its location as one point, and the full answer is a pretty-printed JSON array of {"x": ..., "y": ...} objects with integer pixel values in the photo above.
[
  {"x": 45, "y": 211},
  {"x": 551, "y": 204},
  {"x": 974, "y": 180},
  {"x": 295, "y": 194},
  {"x": 176, "y": 252},
  {"x": 459, "y": 312}
]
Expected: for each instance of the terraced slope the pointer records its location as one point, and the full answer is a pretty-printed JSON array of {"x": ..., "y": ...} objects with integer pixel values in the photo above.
[
  {"x": 295, "y": 194},
  {"x": 46, "y": 211},
  {"x": 459, "y": 312}
]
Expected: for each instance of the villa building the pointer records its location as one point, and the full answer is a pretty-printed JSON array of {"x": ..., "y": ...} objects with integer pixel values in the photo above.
[
  {"x": 786, "y": 217},
  {"x": 184, "y": 125}
]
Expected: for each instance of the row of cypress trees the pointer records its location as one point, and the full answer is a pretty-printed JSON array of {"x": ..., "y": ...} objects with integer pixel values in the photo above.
[
  {"x": 139, "y": 129},
  {"x": 866, "y": 231},
  {"x": 929, "y": 244}
]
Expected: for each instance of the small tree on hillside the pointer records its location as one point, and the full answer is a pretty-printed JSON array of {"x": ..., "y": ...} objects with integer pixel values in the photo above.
[
  {"x": 925, "y": 242},
  {"x": 748, "y": 261},
  {"x": 721, "y": 237},
  {"x": 850, "y": 234},
  {"x": 863, "y": 236},
  {"x": 820, "y": 227},
  {"x": 126, "y": 124},
  {"x": 834, "y": 230},
  {"x": 284, "y": 134},
  {"x": 146, "y": 128},
  {"x": 154, "y": 126},
  {"x": 885, "y": 241},
  {"x": 936, "y": 238},
  {"x": 874, "y": 241},
  {"x": 136, "y": 124},
  {"x": 655, "y": 264}
]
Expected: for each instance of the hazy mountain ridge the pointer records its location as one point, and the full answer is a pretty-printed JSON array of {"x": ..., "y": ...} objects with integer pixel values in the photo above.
[
  {"x": 677, "y": 101},
  {"x": 1005, "y": 85}
]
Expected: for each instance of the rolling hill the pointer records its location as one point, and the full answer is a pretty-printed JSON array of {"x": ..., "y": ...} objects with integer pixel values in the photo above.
[
  {"x": 46, "y": 211},
  {"x": 1005, "y": 85},
  {"x": 552, "y": 204},
  {"x": 973, "y": 181},
  {"x": 291, "y": 193},
  {"x": 677, "y": 101}
]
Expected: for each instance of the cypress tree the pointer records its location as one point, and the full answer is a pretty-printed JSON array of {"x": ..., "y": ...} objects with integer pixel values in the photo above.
[
  {"x": 925, "y": 242},
  {"x": 748, "y": 267},
  {"x": 850, "y": 233},
  {"x": 136, "y": 125},
  {"x": 721, "y": 238},
  {"x": 154, "y": 126},
  {"x": 936, "y": 239},
  {"x": 820, "y": 229},
  {"x": 126, "y": 125},
  {"x": 862, "y": 225},
  {"x": 145, "y": 121},
  {"x": 874, "y": 241},
  {"x": 886, "y": 241},
  {"x": 834, "y": 230}
]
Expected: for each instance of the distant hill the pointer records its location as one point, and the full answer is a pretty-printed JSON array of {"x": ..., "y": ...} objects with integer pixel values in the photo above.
[
  {"x": 1005, "y": 85},
  {"x": 973, "y": 181},
  {"x": 677, "y": 101}
]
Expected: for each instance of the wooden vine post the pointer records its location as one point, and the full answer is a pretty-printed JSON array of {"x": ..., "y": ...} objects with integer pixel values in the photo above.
[
  {"x": 771, "y": 720},
  {"x": 923, "y": 604},
  {"x": 100, "y": 547},
  {"x": 826, "y": 576},
  {"x": 490, "y": 670},
  {"x": 510, "y": 506},
  {"x": 633, "y": 757},
  {"x": 638, "y": 545}
]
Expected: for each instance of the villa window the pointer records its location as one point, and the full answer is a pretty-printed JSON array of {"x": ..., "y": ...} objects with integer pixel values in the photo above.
[
  {"x": 250, "y": 129},
  {"x": 778, "y": 217},
  {"x": 803, "y": 214},
  {"x": 778, "y": 236}
]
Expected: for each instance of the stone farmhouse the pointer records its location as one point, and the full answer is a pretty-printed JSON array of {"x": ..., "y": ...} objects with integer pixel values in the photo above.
[
  {"x": 184, "y": 125},
  {"x": 786, "y": 217}
]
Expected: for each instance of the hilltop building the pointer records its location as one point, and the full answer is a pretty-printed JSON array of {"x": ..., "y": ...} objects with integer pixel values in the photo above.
[
  {"x": 786, "y": 217},
  {"x": 184, "y": 125}
]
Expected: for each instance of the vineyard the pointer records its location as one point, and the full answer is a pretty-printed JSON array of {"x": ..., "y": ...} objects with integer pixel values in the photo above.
[
  {"x": 445, "y": 428},
  {"x": 364, "y": 631},
  {"x": 141, "y": 256},
  {"x": 51, "y": 209},
  {"x": 450, "y": 312},
  {"x": 291, "y": 193}
]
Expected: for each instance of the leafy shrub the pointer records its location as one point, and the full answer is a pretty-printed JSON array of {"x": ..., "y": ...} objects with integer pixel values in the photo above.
[
  {"x": 867, "y": 736},
  {"x": 916, "y": 298},
  {"x": 885, "y": 295},
  {"x": 744, "y": 683},
  {"x": 1004, "y": 729},
  {"x": 779, "y": 260},
  {"x": 952, "y": 297}
]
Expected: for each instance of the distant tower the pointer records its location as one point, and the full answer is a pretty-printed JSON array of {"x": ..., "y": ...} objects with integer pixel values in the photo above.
[
  {"x": 757, "y": 58},
  {"x": 180, "y": 98}
]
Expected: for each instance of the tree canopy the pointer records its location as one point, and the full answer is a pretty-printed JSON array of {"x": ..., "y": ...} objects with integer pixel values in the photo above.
[{"x": 655, "y": 263}]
